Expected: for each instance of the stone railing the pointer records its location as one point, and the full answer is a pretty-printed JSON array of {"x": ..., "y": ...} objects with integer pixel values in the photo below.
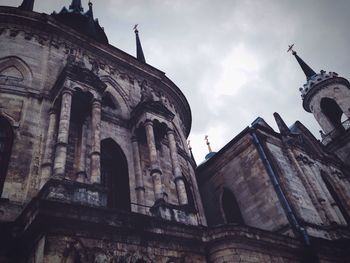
[{"x": 326, "y": 139}]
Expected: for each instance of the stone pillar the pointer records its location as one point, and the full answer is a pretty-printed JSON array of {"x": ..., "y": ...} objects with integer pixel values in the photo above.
[
  {"x": 46, "y": 167},
  {"x": 95, "y": 176},
  {"x": 155, "y": 169},
  {"x": 81, "y": 165},
  {"x": 62, "y": 136},
  {"x": 306, "y": 182},
  {"x": 331, "y": 206},
  {"x": 179, "y": 182},
  {"x": 140, "y": 189}
]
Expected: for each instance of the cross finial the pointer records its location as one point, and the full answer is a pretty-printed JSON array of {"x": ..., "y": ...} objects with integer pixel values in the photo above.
[
  {"x": 208, "y": 143},
  {"x": 290, "y": 48},
  {"x": 135, "y": 28}
]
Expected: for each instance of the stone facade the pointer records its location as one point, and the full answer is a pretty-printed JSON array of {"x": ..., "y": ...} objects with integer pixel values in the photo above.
[{"x": 94, "y": 165}]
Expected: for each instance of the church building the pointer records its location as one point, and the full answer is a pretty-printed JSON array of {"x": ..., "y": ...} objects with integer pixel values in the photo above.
[{"x": 95, "y": 167}]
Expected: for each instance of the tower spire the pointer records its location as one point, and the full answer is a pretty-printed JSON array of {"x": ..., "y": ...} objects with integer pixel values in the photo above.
[
  {"x": 208, "y": 143},
  {"x": 190, "y": 149},
  {"x": 139, "y": 52},
  {"x": 76, "y": 6},
  {"x": 91, "y": 25},
  {"x": 308, "y": 71},
  {"x": 27, "y": 5}
]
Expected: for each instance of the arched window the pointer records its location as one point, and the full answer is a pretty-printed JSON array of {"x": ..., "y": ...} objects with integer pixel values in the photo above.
[
  {"x": 6, "y": 140},
  {"x": 114, "y": 175},
  {"x": 333, "y": 112},
  {"x": 231, "y": 208},
  {"x": 15, "y": 69},
  {"x": 189, "y": 193}
]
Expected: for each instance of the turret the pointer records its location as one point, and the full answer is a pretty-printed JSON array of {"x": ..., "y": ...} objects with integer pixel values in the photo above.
[{"x": 327, "y": 97}]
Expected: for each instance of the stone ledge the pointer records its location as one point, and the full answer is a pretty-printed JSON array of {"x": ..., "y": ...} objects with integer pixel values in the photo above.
[
  {"x": 181, "y": 214},
  {"x": 74, "y": 192}
]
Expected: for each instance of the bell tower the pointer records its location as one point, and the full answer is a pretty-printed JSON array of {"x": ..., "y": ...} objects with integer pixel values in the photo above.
[{"x": 327, "y": 97}]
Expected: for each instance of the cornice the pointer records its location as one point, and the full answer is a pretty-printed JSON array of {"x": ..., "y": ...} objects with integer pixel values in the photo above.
[{"x": 319, "y": 86}]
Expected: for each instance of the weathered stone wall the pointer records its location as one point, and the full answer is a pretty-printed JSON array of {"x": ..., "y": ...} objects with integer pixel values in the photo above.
[
  {"x": 241, "y": 170},
  {"x": 129, "y": 249},
  {"x": 300, "y": 175}
]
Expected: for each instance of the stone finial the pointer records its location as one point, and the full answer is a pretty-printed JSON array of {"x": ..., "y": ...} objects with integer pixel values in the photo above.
[
  {"x": 208, "y": 143},
  {"x": 27, "y": 5},
  {"x": 284, "y": 130}
]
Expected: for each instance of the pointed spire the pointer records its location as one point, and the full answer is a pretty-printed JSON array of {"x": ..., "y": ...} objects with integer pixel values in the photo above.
[
  {"x": 27, "y": 5},
  {"x": 309, "y": 72},
  {"x": 76, "y": 6},
  {"x": 90, "y": 13},
  {"x": 139, "y": 51},
  {"x": 91, "y": 26},
  {"x": 282, "y": 126},
  {"x": 191, "y": 153}
]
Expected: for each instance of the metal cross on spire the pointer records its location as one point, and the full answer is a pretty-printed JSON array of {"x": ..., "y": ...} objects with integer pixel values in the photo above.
[
  {"x": 308, "y": 71},
  {"x": 290, "y": 48},
  {"x": 208, "y": 143}
]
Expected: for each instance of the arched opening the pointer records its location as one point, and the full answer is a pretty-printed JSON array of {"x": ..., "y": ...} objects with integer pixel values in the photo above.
[
  {"x": 6, "y": 140},
  {"x": 108, "y": 101},
  {"x": 231, "y": 208},
  {"x": 79, "y": 121},
  {"x": 333, "y": 112},
  {"x": 189, "y": 193},
  {"x": 114, "y": 175}
]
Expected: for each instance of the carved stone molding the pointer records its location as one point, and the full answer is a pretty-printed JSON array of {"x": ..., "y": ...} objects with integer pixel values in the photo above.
[{"x": 304, "y": 159}]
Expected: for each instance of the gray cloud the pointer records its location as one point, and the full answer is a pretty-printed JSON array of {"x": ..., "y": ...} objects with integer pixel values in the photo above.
[{"x": 229, "y": 57}]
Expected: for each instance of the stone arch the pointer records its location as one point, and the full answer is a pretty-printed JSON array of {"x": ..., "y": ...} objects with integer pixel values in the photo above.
[
  {"x": 110, "y": 101},
  {"x": 6, "y": 142},
  {"x": 118, "y": 94},
  {"x": 160, "y": 129},
  {"x": 16, "y": 69},
  {"x": 189, "y": 193},
  {"x": 115, "y": 175},
  {"x": 337, "y": 92},
  {"x": 230, "y": 208},
  {"x": 332, "y": 111}
]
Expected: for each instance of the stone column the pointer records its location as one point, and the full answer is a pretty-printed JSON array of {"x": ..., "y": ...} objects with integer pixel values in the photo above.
[
  {"x": 46, "y": 167},
  {"x": 306, "y": 182},
  {"x": 95, "y": 176},
  {"x": 140, "y": 189},
  {"x": 179, "y": 182},
  {"x": 62, "y": 136},
  {"x": 155, "y": 169},
  {"x": 81, "y": 167},
  {"x": 331, "y": 206}
]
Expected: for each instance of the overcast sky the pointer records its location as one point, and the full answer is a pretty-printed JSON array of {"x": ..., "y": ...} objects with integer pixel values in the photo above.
[{"x": 229, "y": 57}]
